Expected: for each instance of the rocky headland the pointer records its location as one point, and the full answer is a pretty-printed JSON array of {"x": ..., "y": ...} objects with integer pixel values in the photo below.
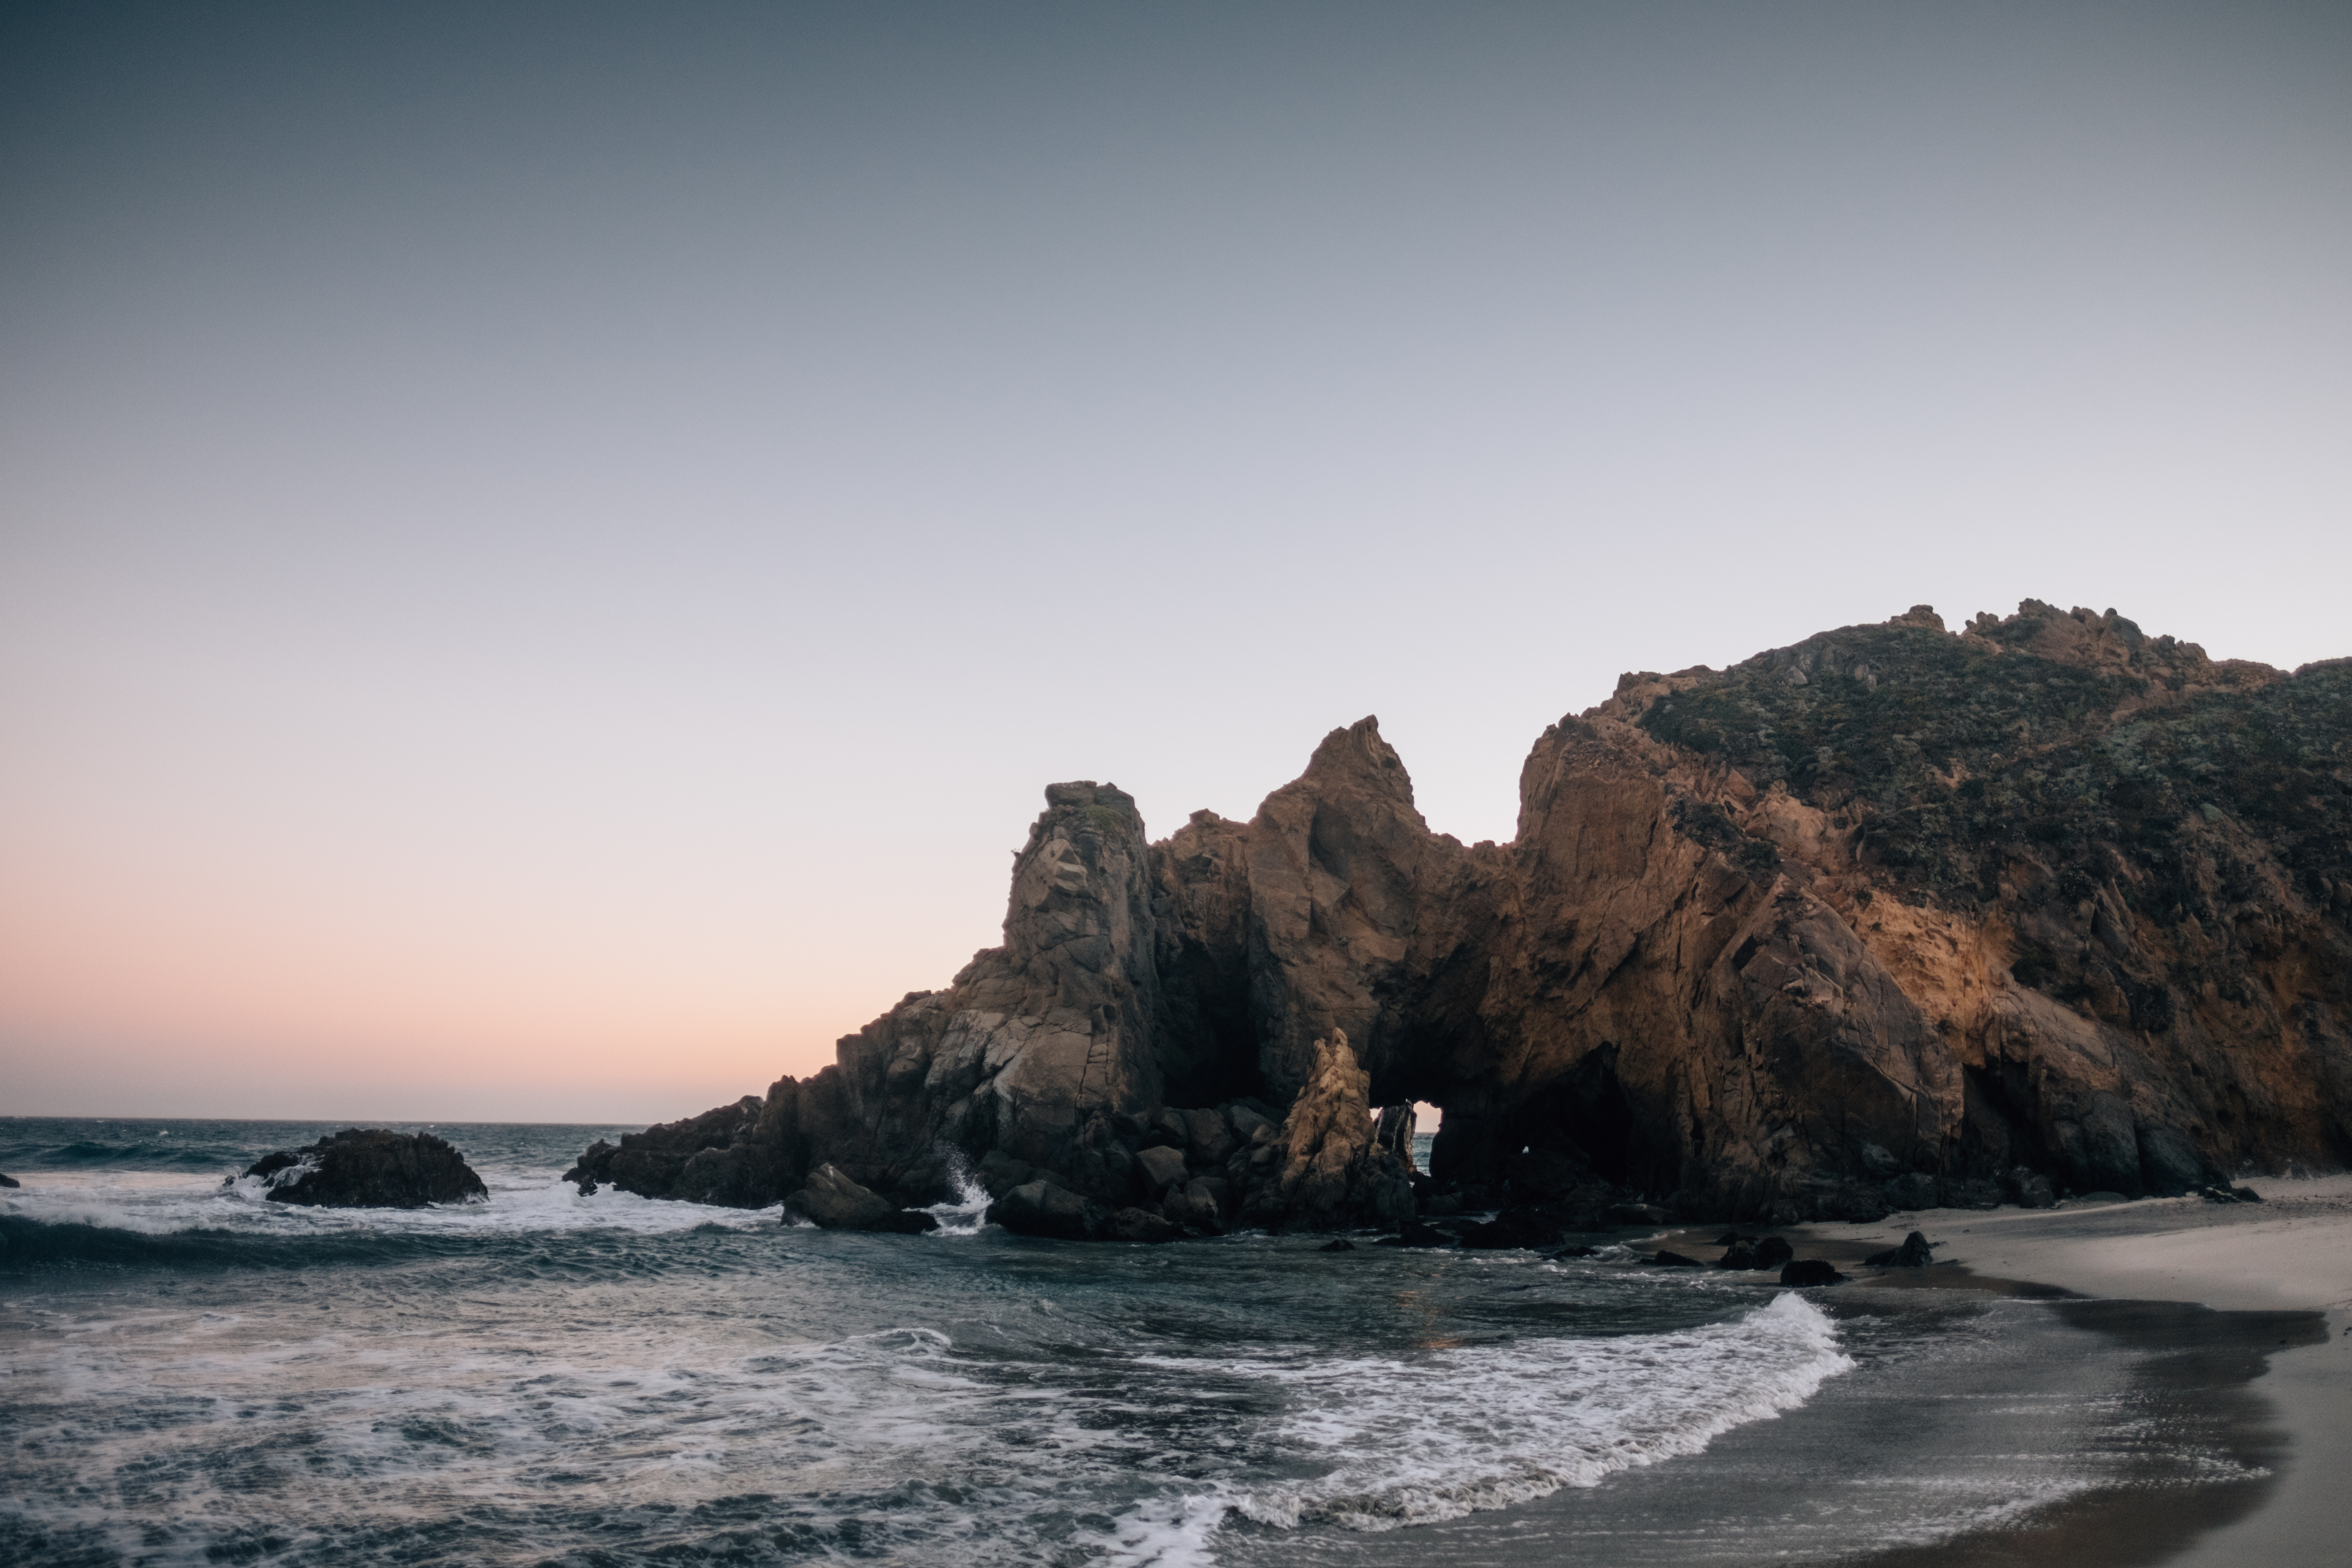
[{"x": 1894, "y": 917}]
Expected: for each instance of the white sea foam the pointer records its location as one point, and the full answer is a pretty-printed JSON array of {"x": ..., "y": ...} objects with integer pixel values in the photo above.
[
  {"x": 154, "y": 1203},
  {"x": 1407, "y": 1441}
]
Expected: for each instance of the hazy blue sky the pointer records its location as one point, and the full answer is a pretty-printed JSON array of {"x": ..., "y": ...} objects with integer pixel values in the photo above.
[{"x": 546, "y": 551}]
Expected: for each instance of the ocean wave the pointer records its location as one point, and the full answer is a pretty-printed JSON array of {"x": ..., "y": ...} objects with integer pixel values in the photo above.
[
  {"x": 62, "y": 1220},
  {"x": 1412, "y": 1441}
]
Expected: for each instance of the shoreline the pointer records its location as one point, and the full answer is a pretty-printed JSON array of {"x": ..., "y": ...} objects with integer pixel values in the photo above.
[{"x": 2289, "y": 1254}]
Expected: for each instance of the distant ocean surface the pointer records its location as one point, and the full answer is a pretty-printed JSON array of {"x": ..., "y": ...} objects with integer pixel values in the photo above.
[{"x": 192, "y": 1375}]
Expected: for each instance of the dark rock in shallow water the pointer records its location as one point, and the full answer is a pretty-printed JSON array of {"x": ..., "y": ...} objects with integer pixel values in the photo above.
[
  {"x": 1810, "y": 1272},
  {"x": 1041, "y": 1209},
  {"x": 370, "y": 1168},
  {"x": 1676, "y": 1260},
  {"x": 833, "y": 1202},
  {"x": 1415, "y": 1234},
  {"x": 1913, "y": 1254},
  {"x": 10, "y": 1181},
  {"x": 1141, "y": 1225},
  {"x": 1337, "y": 1244},
  {"x": 1573, "y": 1252},
  {"x": 1740, "y": 1254},
  {"x": 1773, "y": 1251}
]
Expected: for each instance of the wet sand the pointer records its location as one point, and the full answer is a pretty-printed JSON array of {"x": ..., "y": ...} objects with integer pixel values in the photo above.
[
  {"x": 2120, "y": 1386},
  {"x": 2288, "y": 1260}
]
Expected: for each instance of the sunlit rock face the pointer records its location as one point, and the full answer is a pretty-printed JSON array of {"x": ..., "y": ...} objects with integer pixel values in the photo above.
[{"x": 1891, "y": 917}]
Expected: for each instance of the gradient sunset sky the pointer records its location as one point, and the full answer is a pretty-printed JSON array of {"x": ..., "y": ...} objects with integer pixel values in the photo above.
[{"x": 547, "y": 551}]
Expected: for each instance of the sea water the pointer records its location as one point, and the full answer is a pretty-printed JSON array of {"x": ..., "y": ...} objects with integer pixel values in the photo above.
[{"x": 190, "y": 1373}]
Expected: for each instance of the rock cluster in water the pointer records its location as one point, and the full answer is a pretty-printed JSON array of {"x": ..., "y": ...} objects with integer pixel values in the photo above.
[
  {"x": 370, "y": 1168},
  {"x": 1892, "y": 917}
]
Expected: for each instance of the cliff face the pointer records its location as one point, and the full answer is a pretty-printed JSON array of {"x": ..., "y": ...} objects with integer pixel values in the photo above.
[{"x": 1893, "y": 916}]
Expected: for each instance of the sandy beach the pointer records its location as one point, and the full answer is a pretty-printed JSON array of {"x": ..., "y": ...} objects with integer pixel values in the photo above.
[
  {"x": 2222, "y": 1329},
  {"x": 2291, "y": 1253}
]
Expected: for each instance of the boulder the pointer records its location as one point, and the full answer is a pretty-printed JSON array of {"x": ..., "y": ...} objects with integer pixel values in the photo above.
[
  {"x": 370, "y": 1168},
  {"x": 999, "y": 1173},
  {"x": 1248, "y": 1123},
  {"x": 2222, "y": 1194},
  {"x": 1740, "y": 1254},
  {"x": 2030, "y": 1189},
  {"x": 1773, "y": 1251},
  {"x": 1913, "y": 1254},
  {"x": 1337, "y": 1244},
  {"x": 1806, "y": 1271},
  {"x": 1208, "y": 1138},
  {"x": 1041, "y": 1209},
  {"x": 832, "y": 1202},
  {"x": 1161, "y": 1165},
  {"x": 1415, "y": 1234},
  {"x": 1141, "y": 1225},
  {"x": 1675, "y": 1260},
  {"x": 1195, "y": 1207},
  {"x": 1579, "y": 1251},
  {"x": 10, "y": 1181}
]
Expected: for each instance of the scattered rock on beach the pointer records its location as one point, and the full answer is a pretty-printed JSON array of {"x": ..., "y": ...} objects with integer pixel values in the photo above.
[
  {"x": 370, "y": 1168},
  {"x": 1750, "y": 1252},
  {"x": 2213, "y": 1195},
  {"x": 1913, "y": 1254},
  {"x": 1807, "y": 1271},
  {"x": 833, "y": 1202}
]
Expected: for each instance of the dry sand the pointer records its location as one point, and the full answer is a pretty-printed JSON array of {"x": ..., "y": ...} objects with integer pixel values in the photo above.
[{"x": 2292, "y": 1252}]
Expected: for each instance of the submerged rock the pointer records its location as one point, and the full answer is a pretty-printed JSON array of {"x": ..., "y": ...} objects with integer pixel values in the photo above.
[
  {"x": 1806, "y": 1271},
  {"x": 370, "y": 1168},
  {"x": 1675, "y": 1260}
]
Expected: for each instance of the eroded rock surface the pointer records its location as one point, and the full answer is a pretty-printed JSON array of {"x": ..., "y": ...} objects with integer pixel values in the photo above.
[
  {"x": 370, "y": 1168},
  {"x": 1894, "y": 917}
]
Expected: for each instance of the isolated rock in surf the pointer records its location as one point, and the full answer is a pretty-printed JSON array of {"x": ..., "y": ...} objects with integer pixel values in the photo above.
[
  {"x": 1890, "y": 918},
  {"x": 370, "y": 1168}
]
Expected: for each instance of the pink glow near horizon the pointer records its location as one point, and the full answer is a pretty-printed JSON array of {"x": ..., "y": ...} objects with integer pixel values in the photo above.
[{"x": 542, "y": 576}]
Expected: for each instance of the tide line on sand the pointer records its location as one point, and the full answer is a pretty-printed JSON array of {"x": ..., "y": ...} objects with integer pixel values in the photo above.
[{"x": 2291, "y": 1252}]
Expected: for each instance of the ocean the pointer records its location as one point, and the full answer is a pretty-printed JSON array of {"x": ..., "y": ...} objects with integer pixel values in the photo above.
[{"x": 191, "y": 1374}]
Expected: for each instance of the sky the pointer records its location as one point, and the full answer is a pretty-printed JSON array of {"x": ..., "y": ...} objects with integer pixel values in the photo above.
[{"x": 547, "y": 552}]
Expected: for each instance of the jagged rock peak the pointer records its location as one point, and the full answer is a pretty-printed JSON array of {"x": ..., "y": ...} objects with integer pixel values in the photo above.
[
  {"x": 1357, "y": 754},
  {"x": 1892, "y": 915}
]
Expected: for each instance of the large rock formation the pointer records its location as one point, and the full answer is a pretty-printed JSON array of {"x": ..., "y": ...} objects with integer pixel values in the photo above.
[
  {"x": 1892, "y": 917},
  {"x": 369, "y": 1168}
]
